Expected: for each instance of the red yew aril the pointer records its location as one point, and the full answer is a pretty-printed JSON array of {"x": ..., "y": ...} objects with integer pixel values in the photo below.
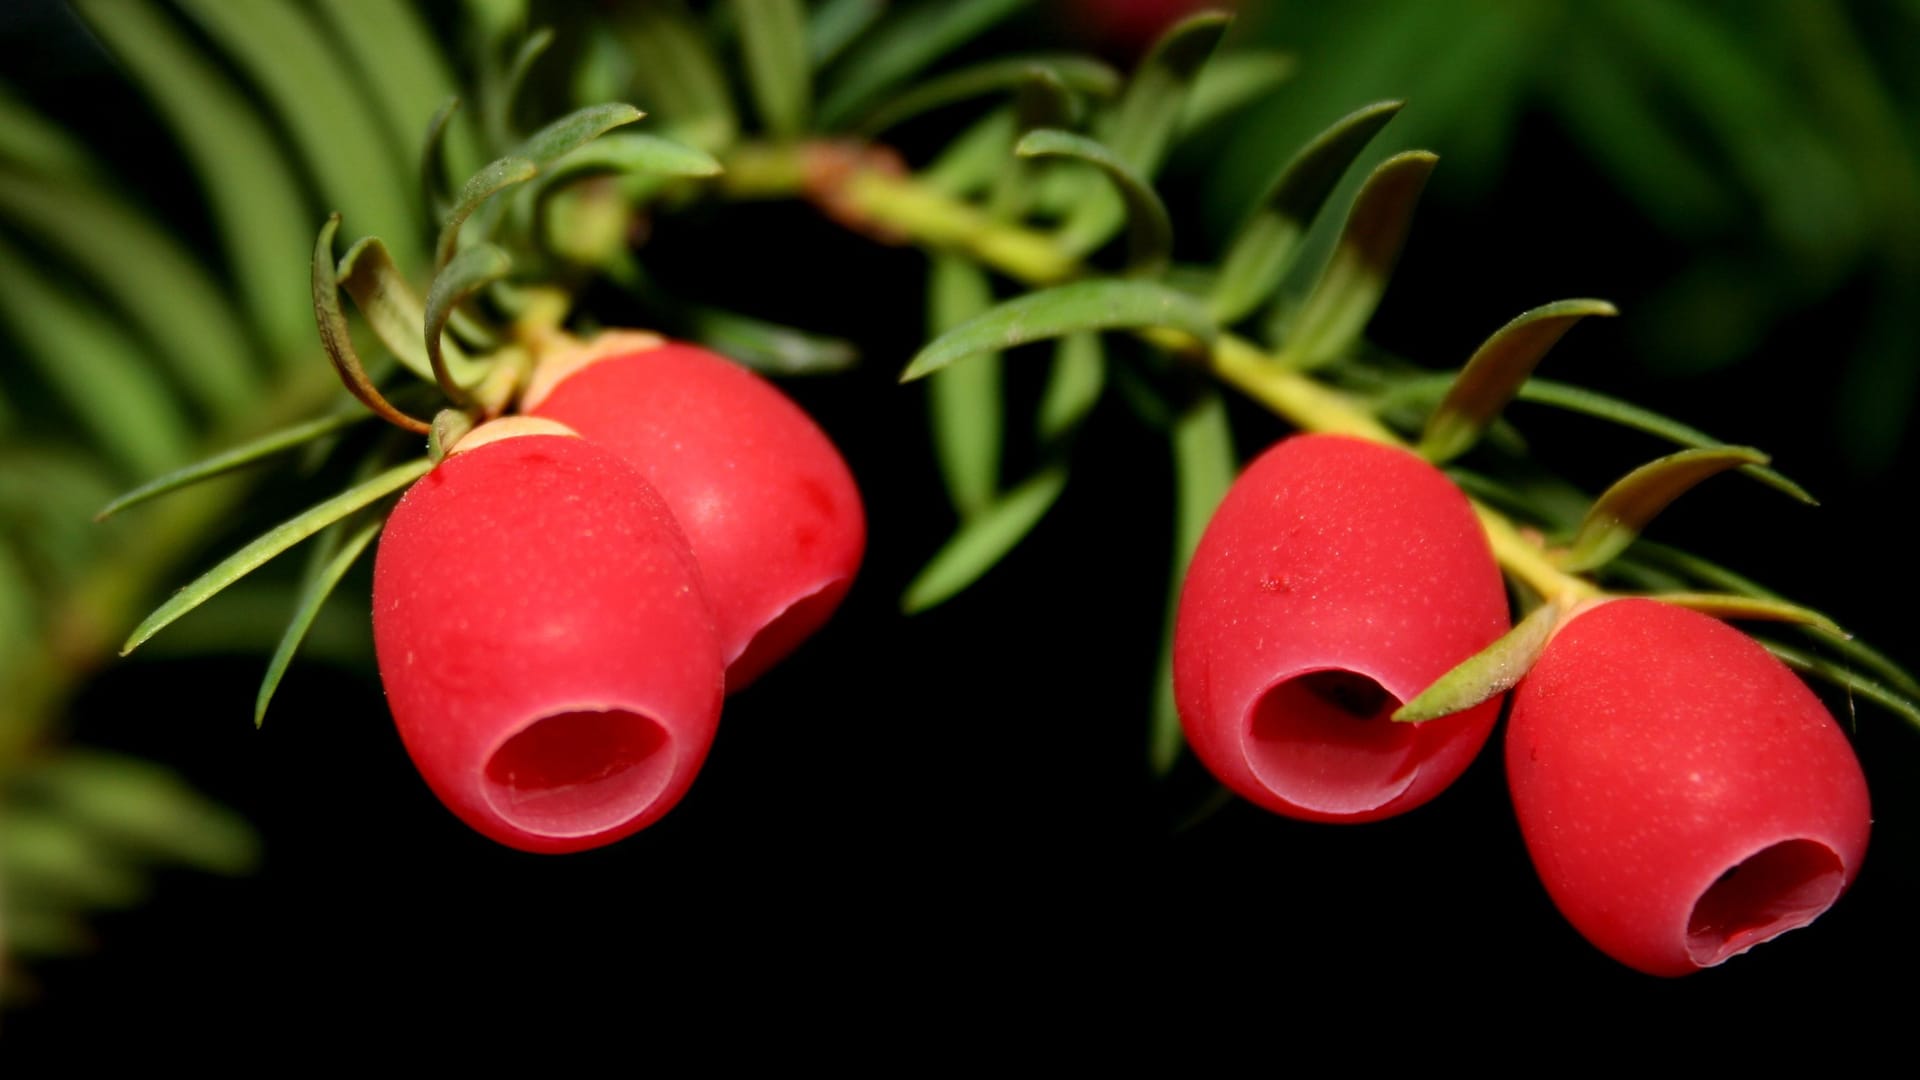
[
  {"x": 545, "y": 641},
  {"x": 767, "y": 503},
  {"x": 1337, "y": 579},
  {"x": 1683, "y": 794}
]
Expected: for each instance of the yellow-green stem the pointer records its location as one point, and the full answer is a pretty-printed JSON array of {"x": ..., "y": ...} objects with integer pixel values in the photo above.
[{"x": 904, "y": 206}]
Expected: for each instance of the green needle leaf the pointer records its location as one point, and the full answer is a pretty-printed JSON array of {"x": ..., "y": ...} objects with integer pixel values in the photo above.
[
  {"x": 433, "y": 160},
  {"x": 31, "y": 140},
  {"x": 983, "y": 540},
  {"x": 1624, "y": 509},
  {"x": 1350, "y": 287},
  {"x": 495, "y": 177},
  {"x": 631, "y": 152},
  {"x": 539, "y": 150},
  {"x": 1074, "y": 387},
  {"x": 272, "y": 543},
  {"x": 904, "y": 44},
  {"x": 470, "y": 271},
  {"x": 1149, "y": 229},
  {"x": 1077, "y": 73},
  {"x": 1204, "y": 465},
  {"x": 1838, "y": 674},
  {"x": 774, "y": 35},
  {"x": 1768, "y": 609},
  {"x": 1495, "y": 374},
  {"x": 679, "y": 76},
  {"x": 395, "y": 312},
  {"x": 964, "y": 398},
  {"x": 769, "y": 348},
  {"x": 144, "y": 271},
  {"x": 1599, "y": 406},
  {"x": 835, "y": 24},
  {"x": 1064, "y": 309},
  {"x": 498, "y": 98},
  {"x": 1145, "y": 120},
  {"x": 248, "y": 453},
  {"x": 318, "y": 588},
  {"x": 1266, "y": 244},
  {"x": 1486, "y": 674}
]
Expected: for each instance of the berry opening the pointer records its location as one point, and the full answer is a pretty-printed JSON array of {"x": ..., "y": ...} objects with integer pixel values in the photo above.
[
  {"x": 1781, "y": 888},
  {"x": 1325, "y": 741},
  {"x": 579, "y": 773}
]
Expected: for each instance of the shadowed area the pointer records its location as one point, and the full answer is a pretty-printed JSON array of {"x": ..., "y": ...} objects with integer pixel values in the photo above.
[
  {"x": 784, "y": 634},
  {"x": 1781, "y": 888},
  {"x": 577, "y": 773},
  {"x": 1324, "y": 741}
]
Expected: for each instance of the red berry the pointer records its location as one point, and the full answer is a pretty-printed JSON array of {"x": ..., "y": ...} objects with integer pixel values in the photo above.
[
  {"x": 545, "y": 644},
  {"x": 767, "y": 503},
  {"x": 1685, "y": 797},
  {"x": 1337, "y": 579}
]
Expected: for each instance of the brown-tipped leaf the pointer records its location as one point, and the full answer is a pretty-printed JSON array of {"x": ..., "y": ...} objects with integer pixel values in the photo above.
[
  {"x": 1355, "y": 277},
  {"x": 469, "y": 272},
  {"x": 338, "y": 342},
  {"x": 394, "y": 311},
  {"x": 1638, "y": 497},
  {"x": 1495, "y": 374},
  {"x": 1492, "y": 671},
  {"x": 1266, "y": 244},
  {"x": 1149, "y": 229}
]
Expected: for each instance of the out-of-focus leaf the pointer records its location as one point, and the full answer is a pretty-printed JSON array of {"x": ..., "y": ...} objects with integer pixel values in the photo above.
[
  {"x": 835, "y": 23},
  {"x": 46, "y": 856},
  {"x": 433, "y": 160},
  {"x": 1486, "y": 674},
  {"x": 983, "y": 540},
  {"x": 19, "y": 623},
  {"x": 679, "y": 76},
  {"x": 247, "y": 453},
  {"x": 145, "y": 272},
  {"x": 1624, "y": 509},
  {"x": 1589, "y": 403},
  {"x": 253, "y": 192},
  {"x": 964, "y": 398},
  {"x": 1077, "y": 73},
  {"x": 147, "y": 810},
  {"x": 103, "y": 377},
  {"x": 318, "y": 586},
  {"x": 272, "y": 543},
  {"x": 1204, "y": 465},
  {"x": 603, "y": 70},
  {"x": 501, "y": 94},
  {"x": 1144, "y": 121},
  {"x": 470, "y": 271},
  {"x": 774, "y": 35},
  {"x": 36, "y": 927},
  {"x": 1073, "y": 387},
  {"x": 538, "y": 151},
  {"x": 1065, "y": 309},
  {"x": 974, "y": 157},
  {"x": 903, "y": 45},
  {"x": 769, "y": 348},
  {"x": 1838, "y": 674},
  {"x": 36, "y": 144},
  {"x": 1495, "y": 372},
  {"x": 405, "y": 70},
  {"x": 1350, "y": 286},
  {"x": 1264, "y": 247},
  {"x": 1149, "y": 229},
  {"x": 1231, "y": 81},
  {"x": 285, "y": 54}
]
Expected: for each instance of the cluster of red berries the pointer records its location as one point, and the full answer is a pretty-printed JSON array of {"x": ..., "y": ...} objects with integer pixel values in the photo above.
[
  {"x": 561, "y": 605},
  {"x": 1683, "y": 795}
]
